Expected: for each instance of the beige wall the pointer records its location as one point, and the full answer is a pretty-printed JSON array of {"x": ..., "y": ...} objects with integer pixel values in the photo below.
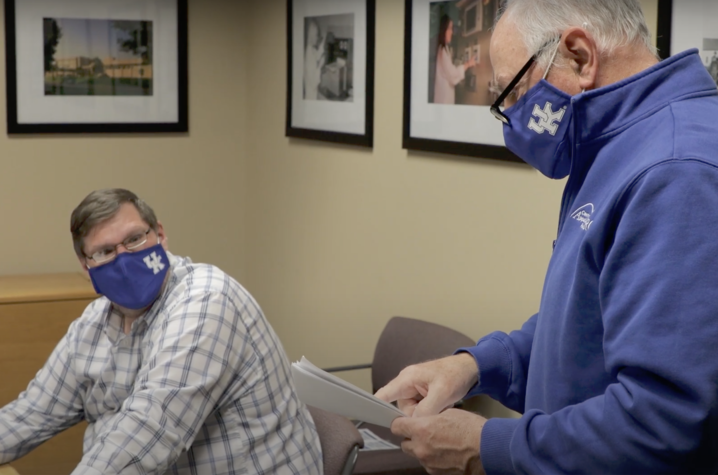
[
  {"x": 340, "y": 239},
  {"x": 196, "y": 183}
]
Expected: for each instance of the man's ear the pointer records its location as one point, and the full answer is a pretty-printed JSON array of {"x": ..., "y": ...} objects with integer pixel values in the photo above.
[{"x": 579, "y": 47}]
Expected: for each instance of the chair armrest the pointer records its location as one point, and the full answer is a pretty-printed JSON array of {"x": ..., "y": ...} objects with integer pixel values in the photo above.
[{"x": 337, "y": 369}]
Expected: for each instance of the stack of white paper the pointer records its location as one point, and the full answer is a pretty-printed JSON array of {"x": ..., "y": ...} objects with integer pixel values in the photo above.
[
  {"x": 320, "y": 389},
  {"x": 374, "y": 442}
]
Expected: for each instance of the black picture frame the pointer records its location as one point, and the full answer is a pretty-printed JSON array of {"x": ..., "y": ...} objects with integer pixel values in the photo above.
[
  {"x": 685, "y": 28},
  {"x": 410, "y": 142},
  {"x": 293, "y": 130},
  {"x": 663, "y": 31},
  {"x": 102, "y": 125}
]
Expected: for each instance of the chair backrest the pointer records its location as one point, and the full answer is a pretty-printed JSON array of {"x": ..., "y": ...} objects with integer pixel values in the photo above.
[
  {"x": 407, "y": 341},
  {"x": 340, "y": 441}
]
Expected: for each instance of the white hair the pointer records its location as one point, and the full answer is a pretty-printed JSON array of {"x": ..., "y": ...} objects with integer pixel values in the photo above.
[{"x": 612, "y": 23}]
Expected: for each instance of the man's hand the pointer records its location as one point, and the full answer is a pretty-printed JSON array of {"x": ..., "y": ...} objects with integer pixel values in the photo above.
[
  {"x": 448, "y": 443},
  {"x": 426, "y": 389}
]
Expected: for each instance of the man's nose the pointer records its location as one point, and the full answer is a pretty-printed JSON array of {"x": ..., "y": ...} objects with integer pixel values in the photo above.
[{"x": 121, "y": 249}]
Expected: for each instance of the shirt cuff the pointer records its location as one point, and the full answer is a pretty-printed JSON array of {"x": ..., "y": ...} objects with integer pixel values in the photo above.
[
  {"x": 493, "y": 361},
  {"x": 496, "y": 446}
]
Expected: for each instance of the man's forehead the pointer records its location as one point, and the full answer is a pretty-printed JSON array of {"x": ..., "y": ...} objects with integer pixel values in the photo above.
[{"x": 127, "y": 220}]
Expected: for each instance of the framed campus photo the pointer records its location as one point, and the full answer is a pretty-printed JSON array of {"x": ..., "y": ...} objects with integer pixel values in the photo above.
[
  {"x": 689, "y": 24},
  {"x": 330, "y": 70},
  {"x": 83, "y": 66},
  {"x": 447, "y": 72}
]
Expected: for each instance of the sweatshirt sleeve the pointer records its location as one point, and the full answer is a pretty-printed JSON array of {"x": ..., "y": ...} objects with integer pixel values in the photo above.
[
  {"x": 659, "y": 295},
  {"x": 503, "y": 362}
]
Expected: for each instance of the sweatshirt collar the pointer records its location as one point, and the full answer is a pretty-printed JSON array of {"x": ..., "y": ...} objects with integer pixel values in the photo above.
[{"x": 606, "y": 110}]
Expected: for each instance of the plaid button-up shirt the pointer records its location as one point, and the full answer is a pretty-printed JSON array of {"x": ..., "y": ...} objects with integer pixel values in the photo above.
[{"x": 201, "y": 385}]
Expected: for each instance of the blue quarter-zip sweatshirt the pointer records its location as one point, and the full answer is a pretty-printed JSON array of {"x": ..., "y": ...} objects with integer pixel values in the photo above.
[{"x": 618, "y": 372}]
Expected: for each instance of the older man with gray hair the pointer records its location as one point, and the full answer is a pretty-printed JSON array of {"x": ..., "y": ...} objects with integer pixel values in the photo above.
[
  {"x": 618, "y": 371},
  {"x": 175, "y": 368}
]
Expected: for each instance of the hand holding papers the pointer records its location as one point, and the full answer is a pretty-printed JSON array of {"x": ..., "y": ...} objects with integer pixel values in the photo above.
[{"x": 318, "y": 388}]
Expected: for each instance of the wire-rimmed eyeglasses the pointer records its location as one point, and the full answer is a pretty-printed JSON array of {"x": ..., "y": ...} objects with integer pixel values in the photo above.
[{"x": 132, "y": 243}]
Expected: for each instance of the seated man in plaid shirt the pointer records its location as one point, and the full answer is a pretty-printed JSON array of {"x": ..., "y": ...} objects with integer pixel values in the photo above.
[{"x": 175, "y": 368}]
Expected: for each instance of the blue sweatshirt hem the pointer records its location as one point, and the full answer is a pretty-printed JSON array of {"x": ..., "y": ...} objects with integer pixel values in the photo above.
[
  {"x": 493, "y": 361},
  {"x": 496, "y": 446}
]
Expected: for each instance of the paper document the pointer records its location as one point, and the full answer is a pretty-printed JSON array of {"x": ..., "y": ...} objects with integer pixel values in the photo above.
[
  {"x": 374, "y": 442},
  {"x": 320, "y": 389}
]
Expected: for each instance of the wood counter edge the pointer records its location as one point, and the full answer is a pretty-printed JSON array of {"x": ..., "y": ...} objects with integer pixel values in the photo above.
[{"x": 45, "y": 288}]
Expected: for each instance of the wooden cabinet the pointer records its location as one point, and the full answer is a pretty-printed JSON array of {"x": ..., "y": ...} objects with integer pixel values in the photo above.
[{"x": 35, "y": 313}]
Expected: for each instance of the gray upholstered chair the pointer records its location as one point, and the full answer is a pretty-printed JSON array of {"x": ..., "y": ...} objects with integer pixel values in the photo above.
[
  {"x": 340, "y": 441},
  {"x": 403, "y": 342}
]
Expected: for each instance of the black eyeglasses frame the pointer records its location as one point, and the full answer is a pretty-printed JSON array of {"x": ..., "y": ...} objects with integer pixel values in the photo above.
[
  {"x": 495, "y": 106},
  {"x": 498, "y": 113}
]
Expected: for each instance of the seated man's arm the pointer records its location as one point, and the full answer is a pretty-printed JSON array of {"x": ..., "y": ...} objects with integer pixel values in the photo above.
[
  {"x": 51, "y": 404},
  {"x": 503, "y": 362},
  {"x": 195, "y": 359}
]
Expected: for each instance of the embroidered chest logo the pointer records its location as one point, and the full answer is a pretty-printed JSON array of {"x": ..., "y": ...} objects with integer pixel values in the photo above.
[
  {"x": 548, "y": 120},
  {"x": 154, "y": 262},
  {"x": 583, "y": 216}
]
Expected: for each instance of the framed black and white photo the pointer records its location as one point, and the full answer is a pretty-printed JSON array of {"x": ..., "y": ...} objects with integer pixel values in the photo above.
[
  {"x": 83, "y": 66},
  {"x": 330, "y": 70},
  {"x": 689, "y": 24},
  {"x": 447, "y": 72}
]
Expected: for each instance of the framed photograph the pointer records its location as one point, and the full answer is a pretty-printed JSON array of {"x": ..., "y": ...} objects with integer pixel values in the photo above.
[
  {"x": 83, "y": 66},
  {"x": 330, "y": 70},
  {"x": 447, "y": 72},
  {"x": 689, "y": 24}
]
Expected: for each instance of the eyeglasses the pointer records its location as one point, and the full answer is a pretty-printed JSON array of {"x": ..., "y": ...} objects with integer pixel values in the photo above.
[
  {"x": 502, "y": 97},
  {"x": 132, "y": 243}
]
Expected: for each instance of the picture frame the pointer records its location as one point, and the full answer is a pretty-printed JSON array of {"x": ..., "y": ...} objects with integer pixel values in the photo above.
[
  {"x": 105, "y": 67},
  {"x": 446, "y": 110},
  {"x": 689, "y": 24},
  {"x": 330, "y": 70}
]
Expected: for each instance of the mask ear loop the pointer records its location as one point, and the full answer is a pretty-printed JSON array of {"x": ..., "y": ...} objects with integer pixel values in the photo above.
[{"x": 553, "y": 56}]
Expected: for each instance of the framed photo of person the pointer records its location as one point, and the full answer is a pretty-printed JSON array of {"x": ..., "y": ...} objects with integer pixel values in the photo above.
[
  {"x": 447, "y": 72},
  {"x": 330, "y": 70},
  {"x": 689, "y": 24},
  {"x": 82, "y": 66}
]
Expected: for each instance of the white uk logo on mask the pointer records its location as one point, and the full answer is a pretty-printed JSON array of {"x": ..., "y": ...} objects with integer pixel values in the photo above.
[
  {"x": 548, "y": 119},
  {"x": 154, "y": 262}
]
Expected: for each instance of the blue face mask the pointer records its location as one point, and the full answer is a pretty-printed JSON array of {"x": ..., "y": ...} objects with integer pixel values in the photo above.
[
  {"x": 539, "y": 129},
  {"x": 133, "y": 279}
]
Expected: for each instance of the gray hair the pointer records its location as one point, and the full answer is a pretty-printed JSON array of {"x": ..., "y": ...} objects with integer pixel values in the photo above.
[
  {"x": 613, "y": 23},
  {"x": 101, "y": 205}
]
